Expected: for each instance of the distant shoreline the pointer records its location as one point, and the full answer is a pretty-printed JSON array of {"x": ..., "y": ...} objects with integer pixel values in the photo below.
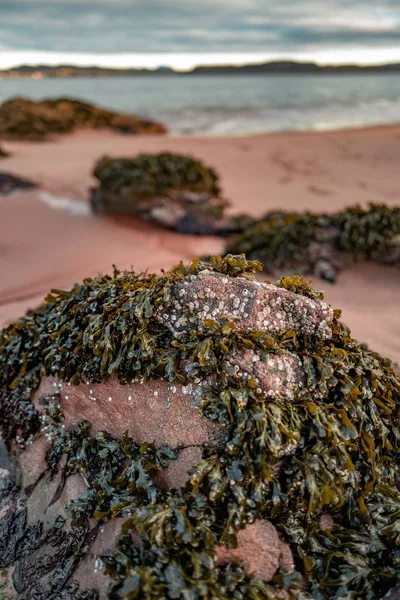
[{"x": 268, "y": 68}]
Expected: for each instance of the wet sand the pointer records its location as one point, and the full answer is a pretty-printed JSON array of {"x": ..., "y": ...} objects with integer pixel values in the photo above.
[{"x": 49, "y": 239}]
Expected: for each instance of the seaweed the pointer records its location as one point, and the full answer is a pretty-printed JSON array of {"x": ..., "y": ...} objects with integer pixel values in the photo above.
[
  {"x": 24, "y": 119},
  {"x": 341, "y": 429},
  {"x": 319, "y": 243},
  {"x": 172, "y": 190},
  {"x": 152, "y": 174}
]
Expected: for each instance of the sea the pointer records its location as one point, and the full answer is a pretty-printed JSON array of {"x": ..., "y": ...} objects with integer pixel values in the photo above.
[{"x": 234, "y": 104}]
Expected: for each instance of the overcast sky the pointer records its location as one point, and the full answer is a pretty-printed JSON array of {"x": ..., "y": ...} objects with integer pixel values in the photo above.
[{"x": 183, "y": 32}]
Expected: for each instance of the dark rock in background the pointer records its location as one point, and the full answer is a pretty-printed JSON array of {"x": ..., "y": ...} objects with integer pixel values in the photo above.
[
  {"x": 23, "y": 119},
  {"x": 10, "y": 183}
]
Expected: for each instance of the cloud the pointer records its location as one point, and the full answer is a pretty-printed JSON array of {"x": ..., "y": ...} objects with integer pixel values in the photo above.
[{"x": 131, "y": 26}]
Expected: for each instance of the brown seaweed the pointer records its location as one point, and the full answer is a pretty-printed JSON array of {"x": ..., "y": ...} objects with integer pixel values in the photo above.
[
  {"x": 343, "y": 428},
  {"x": 24, "y": 119},
  {"x": 176, "y": 191},
  {"x": 321, "y": 244}
]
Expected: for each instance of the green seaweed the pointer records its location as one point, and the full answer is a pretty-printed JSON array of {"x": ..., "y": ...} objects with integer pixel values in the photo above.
[{"x": 342, "y": 428}]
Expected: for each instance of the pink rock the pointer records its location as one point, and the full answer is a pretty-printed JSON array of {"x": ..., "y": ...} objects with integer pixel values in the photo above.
[
  {"x": 177, "y": 472},
  {"x": 326, "y": 522},
  {"x": 90, "y": 570},
  {"x": 260, "y": 550},
  {"x": 249, "y": 304},
  {"x": 154, "y": 411},
  {"x": 279, "y": 375}
]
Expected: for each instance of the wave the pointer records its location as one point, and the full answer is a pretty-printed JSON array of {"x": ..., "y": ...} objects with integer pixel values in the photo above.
[
  {"x": 265, "y": 120},
  {"x": 79, "y": 208}
]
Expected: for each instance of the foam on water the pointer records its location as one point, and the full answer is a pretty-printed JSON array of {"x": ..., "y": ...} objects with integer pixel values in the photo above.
[
  {"x": 210, "y": 105},
  {"x": 79, "y": 208}
]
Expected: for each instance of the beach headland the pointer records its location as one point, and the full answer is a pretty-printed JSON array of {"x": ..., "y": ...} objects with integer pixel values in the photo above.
[{"x": 49, "y": 238}]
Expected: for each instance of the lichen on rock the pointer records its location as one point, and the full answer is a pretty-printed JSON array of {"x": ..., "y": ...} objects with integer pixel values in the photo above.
[
  {"x": 319, "y": 243},
  {"x": 24, "y": 119},
  {"x": 156, "y": 462},
  {"x": 176, "y": 191}
]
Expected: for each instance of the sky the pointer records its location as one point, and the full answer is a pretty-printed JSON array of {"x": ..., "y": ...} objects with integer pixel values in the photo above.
[{"x": 182, "y": 33}]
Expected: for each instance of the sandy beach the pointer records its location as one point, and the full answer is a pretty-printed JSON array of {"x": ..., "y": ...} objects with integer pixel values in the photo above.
[{"x": 49, "y": 238}]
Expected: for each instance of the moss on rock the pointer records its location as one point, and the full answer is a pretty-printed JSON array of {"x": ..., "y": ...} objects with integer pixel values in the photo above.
[
  {"x": 322, "y": 466},
  {"x": 23, "y": 119}
]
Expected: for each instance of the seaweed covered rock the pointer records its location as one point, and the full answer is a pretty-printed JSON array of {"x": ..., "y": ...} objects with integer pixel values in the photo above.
[
  {"x": 24, "y": 119},
  {"x": 12, "y": 183},
  {"x": 196, "y": 434},
  {"x": 322, "y": 244},
  {"x": 176, "y": 191}
]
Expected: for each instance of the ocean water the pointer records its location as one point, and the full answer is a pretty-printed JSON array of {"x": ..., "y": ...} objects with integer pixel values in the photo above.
[{"x": 222, "y": 105}]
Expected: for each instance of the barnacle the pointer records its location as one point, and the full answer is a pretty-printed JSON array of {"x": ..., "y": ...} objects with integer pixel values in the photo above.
[
  {"x": 329, "y": 451},
  {"x": 321, "y": 243}
]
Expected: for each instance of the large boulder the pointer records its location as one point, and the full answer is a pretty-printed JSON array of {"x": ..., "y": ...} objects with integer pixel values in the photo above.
[
  {"x": 195, "y": 435},
  {"x": 321, "y": 244},
  {"x": 176, "y": 191},
  {"x": 24, "y": 119}
]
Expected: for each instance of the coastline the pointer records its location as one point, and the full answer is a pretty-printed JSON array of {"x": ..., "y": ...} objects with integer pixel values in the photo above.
[
  {"x": 48, "y": 238},
  {"x": 305, "y": 131}
]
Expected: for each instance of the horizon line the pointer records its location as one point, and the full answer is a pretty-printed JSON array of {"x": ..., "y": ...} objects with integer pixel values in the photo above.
[
  {"x": 184, "y": 61},
  {"x": 203, "y": 65}
]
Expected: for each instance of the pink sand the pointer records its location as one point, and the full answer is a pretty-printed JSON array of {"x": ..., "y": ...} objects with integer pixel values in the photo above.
[{"x": 43, "y": 247}]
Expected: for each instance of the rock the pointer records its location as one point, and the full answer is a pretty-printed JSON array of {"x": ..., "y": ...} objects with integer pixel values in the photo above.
[
  {"x": 219, "y": 448},
  {"x": 171, "y": 190},
  {"x": 280, "y": 375},
  {"x": 155, "y": 411},
  {"x": 321, "y": 244},
  {"x": 394, "y": 594},
  {"x": 3, "y": 153},
  {"x": 326, "y": 522},
  {"x": 260, "y": 549},
  {"x": 248, "y": 304},
  {"x": 177, "y": 473},
  {"x": 10, "y": 183},
  {"x": 23, "y": 119}
]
